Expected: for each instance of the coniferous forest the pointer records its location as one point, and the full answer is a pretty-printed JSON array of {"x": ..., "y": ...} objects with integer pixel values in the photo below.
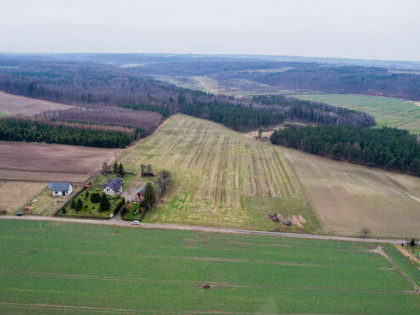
[
  {"x": 387, "y": 148},
  {"x": 38, "y": 131},
  {"x": 235, "y": 117}
]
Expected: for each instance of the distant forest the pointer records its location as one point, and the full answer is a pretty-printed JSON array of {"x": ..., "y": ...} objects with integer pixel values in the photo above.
[
  {"x": 387, "y": 148},
  {"x": 88, "y": 84},
  {"x": 342, "y": 79},
  {"x": 319, "y": 113}
]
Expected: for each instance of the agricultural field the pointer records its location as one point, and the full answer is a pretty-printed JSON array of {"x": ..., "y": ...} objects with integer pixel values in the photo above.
[
  {"x": 55, "y": 268},
  {"x": 390, "y": 112},
  {"x": 347, "y": 197},
  {"x": 15, "y": 195},
  {"x": 14, "y": 104},
  {"x": 221, "y": 178},
  {"x": 40, "y": 162}
]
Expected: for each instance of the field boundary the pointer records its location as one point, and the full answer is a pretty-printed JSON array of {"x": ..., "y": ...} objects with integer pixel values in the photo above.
[{"x": 122, "y": 223}]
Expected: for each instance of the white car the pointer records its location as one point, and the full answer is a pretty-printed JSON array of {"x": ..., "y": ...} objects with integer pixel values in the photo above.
[{"x": 135, "y": 222}]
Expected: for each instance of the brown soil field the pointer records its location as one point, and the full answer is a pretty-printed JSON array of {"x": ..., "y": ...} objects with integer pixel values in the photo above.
[
  {"x": 14, "y": 104},
  {"x": 14, "y": 195},
  {"x": 347, "y": 197},
  {"x": 40, "y": 162}
]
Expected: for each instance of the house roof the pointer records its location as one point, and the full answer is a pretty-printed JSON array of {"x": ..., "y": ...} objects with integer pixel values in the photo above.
[
  {"x": 114, "y": 184},
  {"x": 141, "y": 190},
  {"x": 60, "y": 186}
]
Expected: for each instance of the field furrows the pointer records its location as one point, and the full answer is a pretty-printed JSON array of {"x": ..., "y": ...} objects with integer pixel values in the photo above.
[
  {"x": 162, "y": 271},
  {"x": 215, "y": 169}
]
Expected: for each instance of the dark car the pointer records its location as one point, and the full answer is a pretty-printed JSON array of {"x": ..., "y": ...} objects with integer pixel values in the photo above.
[{"x": 19, "y": 214}]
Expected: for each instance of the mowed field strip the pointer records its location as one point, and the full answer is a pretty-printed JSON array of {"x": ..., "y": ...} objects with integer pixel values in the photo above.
[
  {"x": 348, "y": 197},
  {"x": 40, "y": 162},
  {"x": 51, "y": 268},
  {"x": 390, "y": 112},
  {"x": 221, "y": 178},
  {"x": 14, "y": 104}
]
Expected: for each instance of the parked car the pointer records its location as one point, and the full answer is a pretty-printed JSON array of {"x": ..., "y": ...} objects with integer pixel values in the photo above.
[
  {"x": 135, "y": 222},
  {"x": 19, "y": 214}
]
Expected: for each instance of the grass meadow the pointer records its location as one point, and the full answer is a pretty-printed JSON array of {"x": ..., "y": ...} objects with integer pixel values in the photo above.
[
  {"x": 220, "y": 177},
  {"x": 56, "y": 268},
  {"x": 389, "y": 112}
]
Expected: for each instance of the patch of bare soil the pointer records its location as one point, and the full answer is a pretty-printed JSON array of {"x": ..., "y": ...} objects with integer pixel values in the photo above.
[
  {"x": 14, "y": 104},
  {"x": 42, "y": 162}
]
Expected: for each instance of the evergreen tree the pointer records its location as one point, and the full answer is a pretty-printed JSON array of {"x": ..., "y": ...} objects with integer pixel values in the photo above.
[
  {"x": 149, "y": 196},
  {"x": 115, "y": 168},
  {"x": 104, "y": 205},
  {"x": 121, "y": 170},
  {"x": 73, "y": 204},
  {"x": 79, "y": 205}
]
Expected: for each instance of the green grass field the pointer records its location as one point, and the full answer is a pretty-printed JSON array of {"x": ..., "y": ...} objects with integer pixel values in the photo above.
[
  {"x": 221, "y": 178},
  {"x": 390, "y": 112},
  {"x": 56, "y": 268}
]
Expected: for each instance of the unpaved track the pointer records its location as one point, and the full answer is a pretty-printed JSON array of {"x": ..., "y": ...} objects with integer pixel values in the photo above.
[{"x": 119, "y": 222}]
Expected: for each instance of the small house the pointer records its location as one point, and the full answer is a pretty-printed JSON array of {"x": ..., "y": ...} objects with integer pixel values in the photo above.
[
  {"x": 113, "y": 187},
  {"x": 61, "y": 189},
  {"x": 139, "y": 195}
]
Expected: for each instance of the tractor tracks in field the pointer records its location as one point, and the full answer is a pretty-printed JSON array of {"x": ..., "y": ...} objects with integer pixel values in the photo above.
[
  {"x": 198, "y": 284},
  {"x": 379, "y": 250}
]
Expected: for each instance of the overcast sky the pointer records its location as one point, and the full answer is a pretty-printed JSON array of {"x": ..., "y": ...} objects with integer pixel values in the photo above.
[{"x": 367, "y": 29}]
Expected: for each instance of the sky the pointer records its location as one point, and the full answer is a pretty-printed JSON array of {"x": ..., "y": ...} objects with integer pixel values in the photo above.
[{"x": 361, "y": 29}]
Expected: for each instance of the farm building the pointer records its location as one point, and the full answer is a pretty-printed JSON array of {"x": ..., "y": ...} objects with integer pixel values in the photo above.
[
  {"x": 140, "y": 193},
  {"x": 61, "y": 189},
  {"x": 113, "y": 187}
]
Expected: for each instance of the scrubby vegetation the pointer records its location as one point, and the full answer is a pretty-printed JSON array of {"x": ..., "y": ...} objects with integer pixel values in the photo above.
[{"x": 387, "y": 148}]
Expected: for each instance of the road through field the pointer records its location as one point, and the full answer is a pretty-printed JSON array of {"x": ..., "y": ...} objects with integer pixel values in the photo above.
[{"x": 122, "y": 223}]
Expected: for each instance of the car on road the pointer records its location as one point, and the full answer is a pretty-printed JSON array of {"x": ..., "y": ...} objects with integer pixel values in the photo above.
[
  {"x": 135, "y": 222},
  {"x": 19, "y": 214}
]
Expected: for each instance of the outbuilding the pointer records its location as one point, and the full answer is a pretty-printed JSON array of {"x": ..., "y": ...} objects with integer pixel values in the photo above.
[{"x": 61, "y": 189}]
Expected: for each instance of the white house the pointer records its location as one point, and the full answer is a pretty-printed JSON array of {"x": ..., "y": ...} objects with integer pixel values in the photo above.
[
  {"x": 113, "y": 187},
  {"x": 61, "y": 189}
]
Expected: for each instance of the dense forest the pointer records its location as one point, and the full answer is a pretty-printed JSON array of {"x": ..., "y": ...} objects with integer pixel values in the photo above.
[
  {"x": 319, "y": 113},
  {"x": 235, "y": 117},
  {"x": 387, "y": 148},
  {"x": 163, "y": 110},
  {"x": 343, "y": 79},
  {"x": 88, "y": 85},
  {"x": 29, "y": 130}
]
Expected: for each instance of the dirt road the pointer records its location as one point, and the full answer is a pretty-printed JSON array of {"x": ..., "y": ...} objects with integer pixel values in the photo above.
[{"x": 117, "y": 221}]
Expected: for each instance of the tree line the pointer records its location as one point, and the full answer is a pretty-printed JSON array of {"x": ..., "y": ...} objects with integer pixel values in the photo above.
[
  {"x": 39, "y": 131},
  {"x": 233, "y": 116},
  {"x": 163, "y": 110},
  {"x": 316, "y": 112},
  {"x": 387, "y": 148}
]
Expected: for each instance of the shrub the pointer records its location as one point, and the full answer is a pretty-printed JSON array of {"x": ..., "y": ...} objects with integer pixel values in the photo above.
[
  {"x": 95, "y": 198},
  {"x": 79, "y": 205}
]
